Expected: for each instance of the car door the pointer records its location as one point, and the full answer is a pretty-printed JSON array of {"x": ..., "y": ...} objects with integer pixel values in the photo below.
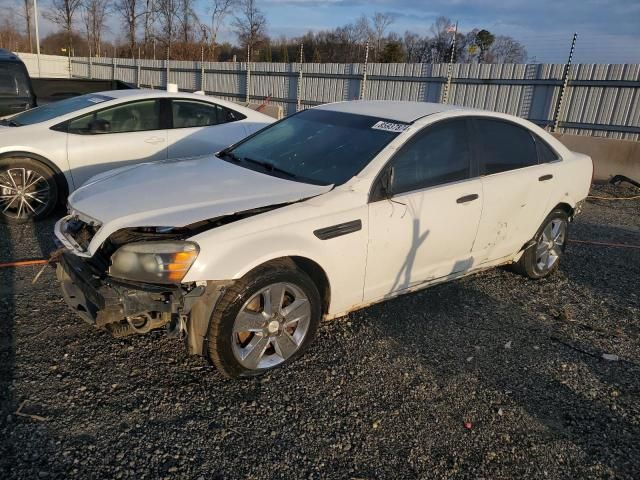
[
  {"x": 515, "y": 186},
  {"x": 426, "y": 228},
  {"x": 114, "y": 137},
  {"x": 201, "y": 128}
]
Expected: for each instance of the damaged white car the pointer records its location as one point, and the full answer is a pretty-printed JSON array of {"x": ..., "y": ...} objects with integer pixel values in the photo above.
[{"x": 327, "y": 211}]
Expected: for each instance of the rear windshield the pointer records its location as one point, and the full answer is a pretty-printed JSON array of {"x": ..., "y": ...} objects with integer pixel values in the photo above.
[
  {"x": 53, "y": 110},
  {"x": 317, "y": 146},
  {"x": 13, "y": 80}
]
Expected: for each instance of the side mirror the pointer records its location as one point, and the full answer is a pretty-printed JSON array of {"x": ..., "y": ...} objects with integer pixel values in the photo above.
[{"x": 99, "y": 126}]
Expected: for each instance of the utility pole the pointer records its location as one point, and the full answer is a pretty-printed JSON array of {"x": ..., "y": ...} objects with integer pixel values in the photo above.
[
  {"x": 565, "y": 83},
  {"x": 248, "y": 71},
  {"x": 363, "y": 87},
  {"x": 447, "y": 88},
  {"x": 35, "y": 18},
  {"x": 299, "y": 103}
]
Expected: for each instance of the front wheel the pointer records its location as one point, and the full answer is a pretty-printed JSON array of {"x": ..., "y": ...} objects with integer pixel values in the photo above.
[
  {"x": 543, "y": 256},
  {"x": 28, "y": 190},
  {"x": 266, "y": 320}
]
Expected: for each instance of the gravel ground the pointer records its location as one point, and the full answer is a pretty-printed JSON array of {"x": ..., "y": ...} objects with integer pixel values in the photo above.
[{"x": 494, "y": 376}]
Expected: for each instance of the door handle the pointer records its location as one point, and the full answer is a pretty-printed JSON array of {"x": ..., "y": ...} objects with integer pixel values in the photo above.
[
  {"x": 467, "y": 198},
  {"x": 544, "y": 178},
  {"x": 154, "y": 140}
]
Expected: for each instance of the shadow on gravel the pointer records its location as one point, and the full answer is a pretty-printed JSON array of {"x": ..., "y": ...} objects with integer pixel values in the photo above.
[
  {"x": 15, "y": 241},
  {"x": 459, "y": 317},
  {"x": 7, "y": 349}
]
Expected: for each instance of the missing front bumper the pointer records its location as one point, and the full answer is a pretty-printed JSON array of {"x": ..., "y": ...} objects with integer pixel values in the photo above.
[
  {"x": 125, "y": 308},
  {"x": 108, "y": 304}
]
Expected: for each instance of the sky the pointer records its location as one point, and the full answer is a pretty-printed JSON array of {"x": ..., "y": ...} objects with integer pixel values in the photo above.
[{"x": 608, "y": 30}]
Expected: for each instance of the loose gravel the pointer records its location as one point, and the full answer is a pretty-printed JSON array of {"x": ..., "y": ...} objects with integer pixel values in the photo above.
[{"x": 493, "y": 376}]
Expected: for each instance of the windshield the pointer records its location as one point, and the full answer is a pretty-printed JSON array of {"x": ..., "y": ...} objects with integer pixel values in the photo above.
[
  {"x": 316, "y": 146},
  {"x": 13, "y": 81},
  {"x": 53, "y": 110}
]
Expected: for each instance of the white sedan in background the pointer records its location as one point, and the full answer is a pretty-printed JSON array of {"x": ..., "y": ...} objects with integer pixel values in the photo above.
[
  {"x": 325, "y": 212},
  {"x": 48, "y": 152}
]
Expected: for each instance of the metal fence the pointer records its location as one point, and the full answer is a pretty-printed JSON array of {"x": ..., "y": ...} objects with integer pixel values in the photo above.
[{"x": 600, "y": 99}]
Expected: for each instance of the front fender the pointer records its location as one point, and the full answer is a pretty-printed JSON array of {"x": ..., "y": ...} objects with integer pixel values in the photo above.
[{"x": 343, "y": 258}]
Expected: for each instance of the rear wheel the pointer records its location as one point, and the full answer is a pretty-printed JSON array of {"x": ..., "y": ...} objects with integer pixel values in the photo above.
[
  {"x": 266, "y": 320},
  {"x": 28, "y": 190},
  {"x": 543, "y": 257}
]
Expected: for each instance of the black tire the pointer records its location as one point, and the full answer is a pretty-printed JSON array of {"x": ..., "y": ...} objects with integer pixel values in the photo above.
[
  {"x": 529, "y": 264},
  {"x": 12, "y": 213},
  {"x": 220, "y": 336}
]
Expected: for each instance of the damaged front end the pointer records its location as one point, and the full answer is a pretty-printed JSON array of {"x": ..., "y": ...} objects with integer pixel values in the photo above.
[{"x": 98, "y": 287}]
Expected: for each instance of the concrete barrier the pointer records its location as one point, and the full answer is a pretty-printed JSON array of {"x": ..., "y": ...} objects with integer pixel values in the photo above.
[{"x": 610, "y": 156}]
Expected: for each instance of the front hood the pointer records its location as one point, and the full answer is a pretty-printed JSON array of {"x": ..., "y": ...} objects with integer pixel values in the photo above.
[{"x": 176, "y": 193}]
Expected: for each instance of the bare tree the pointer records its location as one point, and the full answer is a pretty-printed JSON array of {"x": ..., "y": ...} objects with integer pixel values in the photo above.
[
  {"x": 250, "y": 24},
  {"x": 94, "y": 16},
  {"x": 380, "y": 21},
  {"x": 188, "y": 20},
  {"x": 506, "y": 50},
  {"x": 27, "y": 14},
  {"x": 130, "y": 11},
  {"x": 148, "y": 21},
  {"x": 219, "y": 10},
  {"x": 62, "y": 13},
  {"x": 168, "y": 16}
]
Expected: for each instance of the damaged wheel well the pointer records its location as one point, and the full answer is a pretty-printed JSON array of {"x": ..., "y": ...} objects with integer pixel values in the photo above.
[
  {"x": 311, "y": 268},
  {"x": 319, "y": 277},
  {"x": 565, "y": 207}
]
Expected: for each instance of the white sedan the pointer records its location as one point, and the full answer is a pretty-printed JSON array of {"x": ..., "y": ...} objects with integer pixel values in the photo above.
[
  {"x": 48, "y": 152},
  {"x": 325, "y": 212}
]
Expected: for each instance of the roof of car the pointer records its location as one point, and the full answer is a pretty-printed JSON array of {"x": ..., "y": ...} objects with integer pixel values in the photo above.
[
  {"x": 400, "y": 111},
  {"x": 142, "y": 93}
]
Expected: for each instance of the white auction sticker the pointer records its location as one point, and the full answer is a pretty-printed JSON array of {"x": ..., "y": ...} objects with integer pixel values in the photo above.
[
  {"x": 390, "y": 126},
  {"x": 96, "y": 99}
]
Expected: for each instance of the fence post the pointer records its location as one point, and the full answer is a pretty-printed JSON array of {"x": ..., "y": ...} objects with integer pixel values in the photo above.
[
  {"x": 363, "y": 86},
  {"x": 248, "y": 72},
  {"x": 203, "y": 85},
  {"x": 447, "y": 87},
  {"x": 565, "y": 82},
  {"x": 138, "y": 69},
  {"x": 299, "y": 90},
  {"x": 89, "y": 72},
  {"x": 113, "y": 66},
  {"x": 166, "y": 83}
]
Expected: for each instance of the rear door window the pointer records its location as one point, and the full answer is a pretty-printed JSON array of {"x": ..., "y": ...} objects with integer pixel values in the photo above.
[
  {"x": 131, "y": 117},
  {"x": 545, "y": 152},
  {"x": 189, "y": 114},
  {"x": 502, "y": 146},
  {"x": 441, "y": 154}
]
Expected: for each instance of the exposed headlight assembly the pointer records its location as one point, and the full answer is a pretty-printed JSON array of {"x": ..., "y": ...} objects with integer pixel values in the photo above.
[{"x": 153, "y": 262}]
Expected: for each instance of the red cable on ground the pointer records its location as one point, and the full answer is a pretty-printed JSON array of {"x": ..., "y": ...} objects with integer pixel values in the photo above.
[{"x": 23, "y": 263}]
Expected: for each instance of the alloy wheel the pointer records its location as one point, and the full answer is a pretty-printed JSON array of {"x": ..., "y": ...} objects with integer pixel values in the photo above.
[
  {"x": 24, "y": 193},
  {"x": 271, "y": 326},
  {"x": 550, "y": 244}
]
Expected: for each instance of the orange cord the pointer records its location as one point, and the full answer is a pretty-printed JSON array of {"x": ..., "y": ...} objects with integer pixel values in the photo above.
[{"x": 24, "y": 263}]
